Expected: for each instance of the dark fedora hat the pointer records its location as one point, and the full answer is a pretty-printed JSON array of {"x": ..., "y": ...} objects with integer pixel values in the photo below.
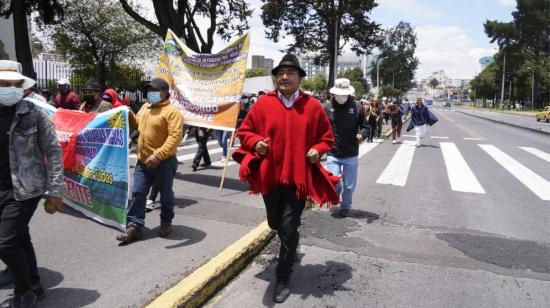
[
  {"x": 289, "y": 60},
  {"x": 92, "y": 85}
]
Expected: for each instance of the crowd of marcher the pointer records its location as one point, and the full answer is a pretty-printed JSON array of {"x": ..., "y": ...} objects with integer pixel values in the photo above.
[{"x": 283, "y": 135}]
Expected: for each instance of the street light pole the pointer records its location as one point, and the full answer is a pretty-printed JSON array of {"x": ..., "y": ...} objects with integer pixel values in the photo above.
[
  {"x": 532, "y": 89},
  {"x": 378, "y": 76},
  {"x": 336, "y": 43}
]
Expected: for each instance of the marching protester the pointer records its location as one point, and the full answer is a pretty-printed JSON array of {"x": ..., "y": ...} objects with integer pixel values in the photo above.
[
  {"x": 378, "y": 109},
  {"x": 67, "y": 98},
  {"x": 159, "y": 124},
  {"x": 223, "y": 136},
  {"x": 30, "y": 168},
  {"x": 46, "y": 94},
  {"x": 93, "y": 102},
  {"x": 111, "y": 96},
  {"x": 396, "y": 116},
  {"x": 201, "y": 136},
  {"x": 349, "y": 128},
  {"x": 371, "y": 118},
  {"x": 282, "y": 139},
  {"x": 420, "y": 119}
]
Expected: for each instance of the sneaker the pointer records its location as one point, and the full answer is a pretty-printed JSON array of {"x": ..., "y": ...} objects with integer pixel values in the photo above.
[
  {"x": 394, "y": 142},
  {"x": 165, "y": 229},
  {"x": 194, "y": 168},
  {"x": 344, "y": 213},
  {"x": 149, "y": 205},
  {"x": 25, "y": 300},
  {"x": 132, "y": 234},
  {"x": 223, "y": 160},
  {"x": 281, "y": 291},
  {"x": 418, "y": 145}
]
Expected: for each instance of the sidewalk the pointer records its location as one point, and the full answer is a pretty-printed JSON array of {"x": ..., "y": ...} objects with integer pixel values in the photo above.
[{"x": 512, "y": 118}]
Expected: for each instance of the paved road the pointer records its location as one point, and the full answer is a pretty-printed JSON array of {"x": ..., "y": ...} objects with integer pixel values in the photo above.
[
  {"x": 81, "y": 263},
  {"x": 460, "y": 222},
  {"x": 515, "y": 119}
]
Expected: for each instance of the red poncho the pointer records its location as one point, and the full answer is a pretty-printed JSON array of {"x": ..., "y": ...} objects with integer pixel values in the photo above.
[{"x": 291, "y": 132}]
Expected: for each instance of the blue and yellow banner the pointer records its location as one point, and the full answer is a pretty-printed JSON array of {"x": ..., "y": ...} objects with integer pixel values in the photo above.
[{"x": 97, "y": 182}]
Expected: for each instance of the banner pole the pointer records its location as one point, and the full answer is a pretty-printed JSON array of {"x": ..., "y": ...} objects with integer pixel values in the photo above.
[{"x": 233, "y": 134}]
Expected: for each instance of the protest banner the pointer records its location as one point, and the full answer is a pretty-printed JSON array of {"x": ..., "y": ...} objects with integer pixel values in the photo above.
[
  {"x": 97, "y": 182},
  {"x": 206, "y": 87}
]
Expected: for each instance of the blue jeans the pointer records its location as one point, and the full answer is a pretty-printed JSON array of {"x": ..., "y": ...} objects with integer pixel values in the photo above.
[
  {"x": 163, "y": 176},
  {"x": 222, "y": 140},
  {"x": 348, "y": 168}
]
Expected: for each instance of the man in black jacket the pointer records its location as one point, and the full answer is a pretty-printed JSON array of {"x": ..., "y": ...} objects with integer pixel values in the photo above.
[{"x": 349, "y": 127}]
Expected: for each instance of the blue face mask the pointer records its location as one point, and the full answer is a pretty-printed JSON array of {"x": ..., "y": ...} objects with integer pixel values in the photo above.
[
  {"x": 153, "y": 97},
  {"x": 10, "y": 96}
]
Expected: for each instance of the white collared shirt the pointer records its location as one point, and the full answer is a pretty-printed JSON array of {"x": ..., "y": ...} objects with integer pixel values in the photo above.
[{"x": 288, "y": 102}]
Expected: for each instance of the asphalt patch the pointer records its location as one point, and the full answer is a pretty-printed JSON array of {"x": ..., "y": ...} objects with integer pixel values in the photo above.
[{"x": 507, "y": 253}]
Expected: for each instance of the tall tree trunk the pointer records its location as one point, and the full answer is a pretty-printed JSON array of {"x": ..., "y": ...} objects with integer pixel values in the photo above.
[
  {"x": 101, "y": 72},
  {"x": 22, "y": 42}
]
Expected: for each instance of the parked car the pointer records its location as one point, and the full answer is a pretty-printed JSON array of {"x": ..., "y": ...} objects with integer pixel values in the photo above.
[
  {"x": 544, "y": 115},
  {"x": 447, "y": 104}
]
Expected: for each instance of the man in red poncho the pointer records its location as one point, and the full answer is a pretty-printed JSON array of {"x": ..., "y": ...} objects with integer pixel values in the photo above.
[{"x": 282, "y": 138}]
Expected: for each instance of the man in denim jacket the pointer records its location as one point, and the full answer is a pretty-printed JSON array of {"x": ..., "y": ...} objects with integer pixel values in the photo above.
[{"x": 30, "y": 167}]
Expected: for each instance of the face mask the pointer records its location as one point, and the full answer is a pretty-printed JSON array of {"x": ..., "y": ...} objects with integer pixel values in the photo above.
[
  {"x": 90, "y": 99},
  {"x": 341, "y": 99},
  {"x": 153, "y": 97},
  {"x": 64, "y": 89},
  {"x": 10, "y": 96}
]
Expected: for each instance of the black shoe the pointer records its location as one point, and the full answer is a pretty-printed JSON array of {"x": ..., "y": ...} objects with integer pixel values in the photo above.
[
  {"x": 165, "y": 229},
  {"x": 132, "y": 234},
  {"x": 38, "y": 290},
  {"x": 282, "y": 291},
  {"x": 194, "y": 168},
  {"x": 206, "y": 165},
  {"x": 344, "y": 213},
  {"x": 25, "y": 300},
  {"x": 6, "y": 277}
]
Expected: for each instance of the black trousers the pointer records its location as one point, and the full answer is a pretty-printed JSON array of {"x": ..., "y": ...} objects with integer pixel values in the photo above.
[
  {"x": 16, "y": 248},
  {"x": 283, "y": 216},
  {"x": 201, "y": 136}
]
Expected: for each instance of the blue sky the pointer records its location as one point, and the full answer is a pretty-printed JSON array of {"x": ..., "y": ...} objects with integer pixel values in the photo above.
[{"x": 450, "y": 32}]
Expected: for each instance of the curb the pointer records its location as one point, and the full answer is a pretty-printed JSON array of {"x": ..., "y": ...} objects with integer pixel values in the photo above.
[
  {"x": 199, "y": 286},
  {"x": 506, "y": 123}
]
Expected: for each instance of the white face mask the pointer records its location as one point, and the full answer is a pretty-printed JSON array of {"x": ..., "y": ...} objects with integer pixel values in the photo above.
[
  {"x": 341, "y": 99},
  {"x": 10, "y": 96}
]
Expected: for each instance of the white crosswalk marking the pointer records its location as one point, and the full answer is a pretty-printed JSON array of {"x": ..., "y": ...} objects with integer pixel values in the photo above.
[
  {"x": 460, "y": 175},
  {"x": 185, "y": 147},
  {"x": 530, "y": 179},
  {"x": 538, "y": 153},
  {"x": 397, "y": 171},
  {"x": 475, "y": 139},
  {"x": 438, "y": 137},
  {"x": 365, "y": 147}
]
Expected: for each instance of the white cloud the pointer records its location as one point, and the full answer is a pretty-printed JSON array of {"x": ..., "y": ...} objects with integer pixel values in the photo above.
[
  {"x": 506, "y": 2},
  {"x": 448, "y": 48},
  {"x": 407, "y": 9}
]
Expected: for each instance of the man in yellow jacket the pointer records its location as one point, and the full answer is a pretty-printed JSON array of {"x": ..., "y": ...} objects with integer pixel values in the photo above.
[{"x": 160, "y": 127}]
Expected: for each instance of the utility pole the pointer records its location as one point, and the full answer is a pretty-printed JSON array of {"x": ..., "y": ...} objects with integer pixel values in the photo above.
[{"x": 336, "y": 41}]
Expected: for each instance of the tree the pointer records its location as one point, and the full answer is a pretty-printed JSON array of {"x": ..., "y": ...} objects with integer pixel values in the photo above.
[
  {"x": 317, "y": 84},
  {"x": 398, "y": 63},
  {"x": 389, "y": 91},
  {"x": 228, "y": 18},
  {"x": 485, "y": 85},
  {"x": 48, "y": 12},
  {"x": 357, "y": 81},
  {"x": 527, "y": 36},
  {"x": 434, "y": 83},
  {"x": 95, "y": 42},
  {"x": 317, "y": 25},
  {"x": 256, "y": 72}
]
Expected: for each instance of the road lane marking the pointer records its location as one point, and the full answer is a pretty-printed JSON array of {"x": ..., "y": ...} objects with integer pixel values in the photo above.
[
  {"x": 438, "y": 137},
  {"x": 530, "y": 179},
  {"x": 469, "y": 131},
  {"x": 185, "y": 147},
  {"x": 397, "y": 171},
  {"x": 446, "y": 117},
  {"x": 475, "y": 139},
  {"x": 409, "y": 136},
  {"x": 538, "y": 153},
  {"x": 460, "y": 175},
  {"x": 367, "y": 147}
]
